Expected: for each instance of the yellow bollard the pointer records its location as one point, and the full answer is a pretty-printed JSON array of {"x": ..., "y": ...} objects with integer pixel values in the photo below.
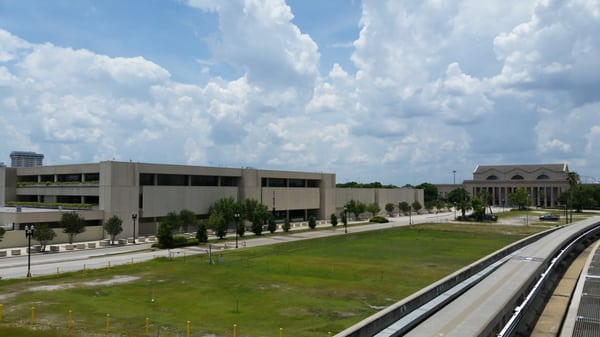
[
  {"x": 108, "y": 264},
  {"x": 329, "y": 334},
  {"x": 147, "y": 326},
  {"x": 32, "y": 315},
  {"x": 0, "y": 312},
  {"x": 84, "y": 267},
  {"x": 280, "y": 332},
  {"x": 70, "y": 319},
  {"x": 235, "y": 330},
  {"x": 188, "y": 329},
  {"x": 57, "y": 272},
  {"x": 132, "y": 260},
  {"x": 107, "y": 323}
]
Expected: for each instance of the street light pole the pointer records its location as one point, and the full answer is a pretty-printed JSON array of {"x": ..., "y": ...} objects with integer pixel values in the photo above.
[
  {"x": 237, "y": 227},
  {"x": 454, "y": 179},
  {"x": 28, "y": 234},
  {"x": 134, "y": 217},
  {"x": 409, "y": 214}
]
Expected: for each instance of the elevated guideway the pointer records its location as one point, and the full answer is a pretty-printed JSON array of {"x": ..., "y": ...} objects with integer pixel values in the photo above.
[{"x": 497, "y": 296}]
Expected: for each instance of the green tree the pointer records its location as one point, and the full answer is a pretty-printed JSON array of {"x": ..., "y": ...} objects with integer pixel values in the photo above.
[
  {"x": 44, "y": 234},
  {"x": 429, "y": 205},
  {"x": 430, "y": 192},
  {"x": 72, "y": 224},
  {"x": 201, "y": 234},
  {"x": 227, "y": 207},
  {"x": 174, "y": 219},
  {"x": 519, "y": 198},
  {"x": 216, "y": 221},
  {"x": 583, "y": 197},
  {"x": 460, "y": 198},
  {"x": 312, "y": 222},
  {"x": 113, "y": 226},
  {"x": 355, "y": 207},
  {"x": 257, "y": 213},
  {"x": 164, "y": 233},
  {"x": 373, "y": 208},
  {"x": 187, "y": 219},
  {"x": 416, "y": 206},
  {"x": 334, "y": 220},
  {"x": 403, "y": 206},
  {"x": 389, "y": 208},
  {"x": 478, "y": 208}
]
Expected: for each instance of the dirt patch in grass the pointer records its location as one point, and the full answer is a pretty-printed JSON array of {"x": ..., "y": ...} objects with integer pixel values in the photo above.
[{"x": 118, "y": 279}]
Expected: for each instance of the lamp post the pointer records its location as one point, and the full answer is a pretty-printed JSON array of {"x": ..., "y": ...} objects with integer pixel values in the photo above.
[
  {"x": 345, "y": 219},
  {"x": 454, "y": 178},
  {"x": 134, "y": 217},
  {"x": 410, "y": 214},
  {"x": 28, "y": 234},
  {"x": 237, "y": 227}
]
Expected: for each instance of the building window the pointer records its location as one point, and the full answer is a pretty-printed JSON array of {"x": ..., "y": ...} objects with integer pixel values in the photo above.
[
  {"x": 91, "y": 177},
  {"x": 313, "y": 183},
  {"x": 542, "y": 177},
  {"x": 69, "y": 177},
  {"x": 277, "y": 182},
  {"x": 146, "y": 179},
  {"x": 230, "y": 181},
  {"x": 27, "y": 178},
  {"x": 47, "y": 178},
  {"x": 91, "y": 199},
  {"x": 171, "y": 180},
  {"x": 517, "y": 177},
  {"x": 297, "y": 183},
  {"x": 205, "y": 180},
  {"x": 492, "y": 177}
]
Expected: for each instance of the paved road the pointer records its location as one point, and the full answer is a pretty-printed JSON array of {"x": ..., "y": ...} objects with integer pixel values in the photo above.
[{"x": 68, "y": 261}]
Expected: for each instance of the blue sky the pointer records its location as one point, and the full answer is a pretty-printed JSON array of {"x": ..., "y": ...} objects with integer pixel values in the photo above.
[{"x": 400, "y": 92}]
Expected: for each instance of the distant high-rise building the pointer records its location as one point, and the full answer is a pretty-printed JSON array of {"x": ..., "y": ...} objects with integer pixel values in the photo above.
[{"x": 25, "y": 159}]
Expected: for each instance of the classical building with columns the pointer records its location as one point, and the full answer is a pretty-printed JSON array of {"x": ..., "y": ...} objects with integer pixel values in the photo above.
[{"x": 543, "y": 182}]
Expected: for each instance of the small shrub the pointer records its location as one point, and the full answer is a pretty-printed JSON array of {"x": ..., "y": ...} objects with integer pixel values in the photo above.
[
  {"x": 334, "y": 220},
  {"x": 379, "y": 219},
  {"x": 286, "y": 225},
  {"x": 272, "y": 227},
  {"x": 312, "y": 222}
]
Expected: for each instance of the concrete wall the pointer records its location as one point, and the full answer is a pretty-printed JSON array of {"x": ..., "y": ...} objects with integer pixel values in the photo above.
[
  {"x": 17, "y": 238},
  {"x": 8, "y": 183},
  {"x": 160, "y": 200}
]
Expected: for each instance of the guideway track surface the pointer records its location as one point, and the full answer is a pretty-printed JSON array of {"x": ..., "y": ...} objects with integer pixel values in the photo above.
[{"x": 484, "y": 308}]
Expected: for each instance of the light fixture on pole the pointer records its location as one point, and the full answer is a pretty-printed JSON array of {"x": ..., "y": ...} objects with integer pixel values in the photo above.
[
  {"x": 409, "y": 214},
  {"x": 237, "y": 227},
  {"x": 134, "y": 217},
  {"x": 28, "y": 234}
]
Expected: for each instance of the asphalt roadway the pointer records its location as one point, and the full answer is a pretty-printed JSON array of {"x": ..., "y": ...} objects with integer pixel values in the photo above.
[{"x": 94, "y": 258}]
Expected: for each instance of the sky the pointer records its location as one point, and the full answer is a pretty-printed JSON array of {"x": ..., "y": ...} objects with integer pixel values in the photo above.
[{"x": 400, "y": 92}]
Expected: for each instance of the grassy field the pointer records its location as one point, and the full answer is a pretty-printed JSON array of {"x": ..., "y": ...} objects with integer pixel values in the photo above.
[{"x": 308, "y": 288}]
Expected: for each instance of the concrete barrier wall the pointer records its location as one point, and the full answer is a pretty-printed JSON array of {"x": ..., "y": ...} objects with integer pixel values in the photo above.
[{"x": 18, "y": 239}]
